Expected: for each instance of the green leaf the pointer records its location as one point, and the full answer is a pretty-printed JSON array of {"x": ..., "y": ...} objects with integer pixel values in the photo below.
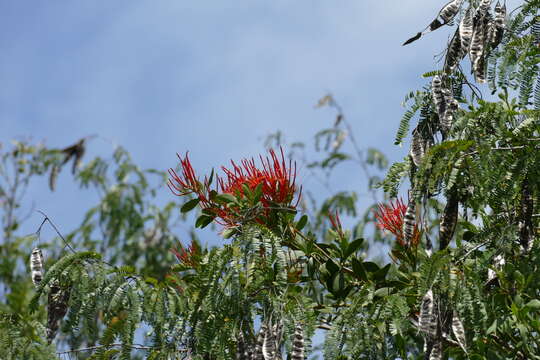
[
  {"x": 492, "y": 328},
  {"x": 190, "y": 205},
  {"x": 533, "y": 304},
  {"x": 385, "y": 291},
  {"x": 257, "y": 193},
  {"x": 359, "y": 270},
  {"x": 203, "y": 221},
  {"x": 353, "y": 247},
  {"x": 226, "y": 198},
  {"x": 371, "y": 266},
  {"x": 302, "y": 222},
  {"x": 381, "y": 274}
]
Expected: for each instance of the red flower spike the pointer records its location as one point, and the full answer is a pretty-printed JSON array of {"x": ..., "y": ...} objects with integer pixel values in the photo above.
[
  {"x": 336, "y": 223},
  {"x": 391, "y": 217},
  {"x": 187, "y": 256}
]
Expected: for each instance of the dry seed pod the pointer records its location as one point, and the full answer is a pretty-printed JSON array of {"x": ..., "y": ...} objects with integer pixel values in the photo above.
[
  {"x": 446, "y": 14},
  {"x": 438, "y": 94},
  {"x": 241, "y": 348},
  {"x": 36, "y": 266},
  {"x": 297, "y": 352},
  {"x": 409, "y": 221},
  {"x": 448, "y": 221},
  {"x": 258, "y": 353},
  {"x": 427, "y": 316},
  {"x": 269, "y": 346},
  {"x": 56, "y": 308},
  {"x": 418, "y": 148},
  {"x": 453, "y": 53},
  {"x": 525, "y": 223},
  {"x": 459, "y": 331},
  {"x": 447, "y": 119},
  {"x": 436, "y": 351},
  {"x": 497, "y": 26},
  {"x": 466, "y": 32}
]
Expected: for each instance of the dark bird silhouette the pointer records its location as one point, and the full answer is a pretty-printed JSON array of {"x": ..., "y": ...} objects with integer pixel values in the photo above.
[{"x": 75, "y": 152}]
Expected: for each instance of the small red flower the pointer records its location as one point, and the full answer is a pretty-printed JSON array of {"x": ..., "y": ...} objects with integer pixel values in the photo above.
[
  {"x": 187, "y": 256},
  {"x": 336, "y": 223},
  {"x": 390, "y": 217}
]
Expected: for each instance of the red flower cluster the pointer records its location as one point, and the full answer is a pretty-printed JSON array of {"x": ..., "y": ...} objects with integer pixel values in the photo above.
[
  {"x": 276, "y": 178},
  {"x": 390, "y": 218},
  {"x": 187, "y": 256}
]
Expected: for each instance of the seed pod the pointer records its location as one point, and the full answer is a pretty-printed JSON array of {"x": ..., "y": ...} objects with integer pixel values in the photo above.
[
  {"x": 466, "y": 32},
  {"x": 269, "y": 345},
  {"x": 436, "y": 351},
  {"x": 453, "y": 53},
  {"x": 297, "y": 352},
  {"x": 241, "y": 348},
  {"x": 459, "y": 331},
  {"x": 446, "y": 14},
  {"x": 418, "y": 147},
  {"x": 437, "y": 94},
  {"x": 448, "y": 221},
  {"x": 428, "y": 321},
  {"x": 409, "y": 221},
  {"x": 258, "y": 353},
  {"x": 450, "y": 10},
  {"x": 525, "y": 219},
  {"x": 36, "y": 266},
  {"x": 56, "y": 308},
  {"x": 447, "y": 119}
]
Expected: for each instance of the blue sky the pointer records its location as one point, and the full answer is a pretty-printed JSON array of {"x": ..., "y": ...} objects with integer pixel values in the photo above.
[{"x": 160, "y": 77}]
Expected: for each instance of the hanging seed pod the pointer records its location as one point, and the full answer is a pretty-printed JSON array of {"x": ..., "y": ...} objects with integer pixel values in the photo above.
[
  {"x": 36, "y": 266},
  {"x": 418, "y": 147},
  {"x": 56, "y": 308},
  {"x": 448, "y": 117},
  {"x": 241, "y": 348},
  {"x": 459, "y": 331},
  {"x": 297, "y": 352},
  {"x": 436, "y": 351},
  {"x": 525, "y": 222},
  {"x": 269, "y": 345},
  {"x": 437, "y": 94},
  {"x": 453, "y": 53},
  {"x": 409, "y": 220},
  {"x": 427, "y": 316},
  {"x": 466, "y": 32},
  {"x": 446, "y": 14},
  {"x": 258, "y": 353},
  {"x": 479, "y": 40},
  {"x": 499, "y": 24},
  {"x": 448, "y": 221},
  {"x": 484, "y": 7}
]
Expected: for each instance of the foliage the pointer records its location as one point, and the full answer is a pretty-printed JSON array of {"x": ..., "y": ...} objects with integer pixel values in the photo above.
[{"x": 460, "y": 279}]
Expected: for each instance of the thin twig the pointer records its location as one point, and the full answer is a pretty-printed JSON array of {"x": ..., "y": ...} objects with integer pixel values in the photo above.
[
  {"x": 55, "y": 229},
  {"x": 91, "y": 348},
  {"x": 473, "y": 250}
]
